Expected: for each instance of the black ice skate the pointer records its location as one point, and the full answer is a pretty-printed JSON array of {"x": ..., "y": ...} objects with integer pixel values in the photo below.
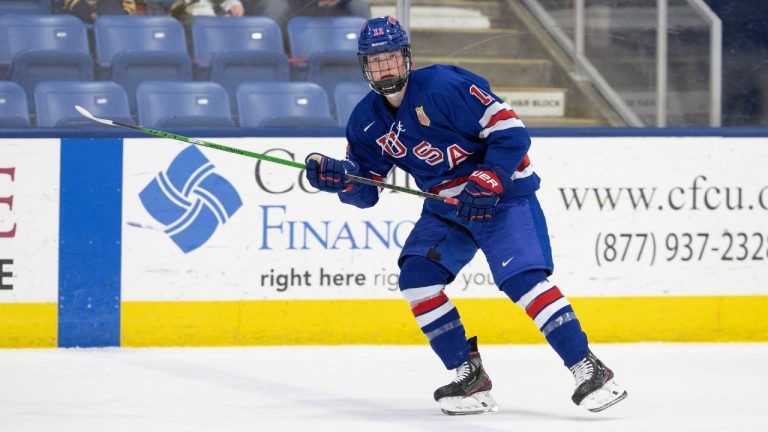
[
  {"x": 596, "y": 389},
  {"x": 469, "y": 392}
]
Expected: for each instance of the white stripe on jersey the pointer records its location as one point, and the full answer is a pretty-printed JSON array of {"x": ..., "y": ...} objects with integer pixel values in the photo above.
[
  {"x": 526, "y": 172},
  {"x": 452, "y": 192},
  {"x": 501, "y": 125},
  {"x": 491, "y": 111}
]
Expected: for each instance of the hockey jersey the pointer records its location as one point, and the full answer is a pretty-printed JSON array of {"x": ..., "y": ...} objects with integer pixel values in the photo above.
[{"x": 448, "y": 124}]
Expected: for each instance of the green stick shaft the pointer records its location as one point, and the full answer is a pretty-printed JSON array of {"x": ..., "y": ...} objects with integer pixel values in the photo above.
[{"x": 348, "y": 177}]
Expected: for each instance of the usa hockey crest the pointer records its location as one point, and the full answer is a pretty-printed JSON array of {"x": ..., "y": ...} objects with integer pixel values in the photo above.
[{"x": 423, "y": 119}]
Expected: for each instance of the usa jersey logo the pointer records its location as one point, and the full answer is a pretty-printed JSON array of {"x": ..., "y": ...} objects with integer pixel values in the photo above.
[
  {"x": 190, "y": 200},
  {"x": 423, "y": 119}
]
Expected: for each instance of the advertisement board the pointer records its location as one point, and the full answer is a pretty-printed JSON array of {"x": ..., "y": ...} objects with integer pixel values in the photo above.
[
  {"x": 29, "y": 222},
  {"x": 152, "y": 242},
  {"x": 635, "y": 216},
  {"x": 627, "y": 217}
]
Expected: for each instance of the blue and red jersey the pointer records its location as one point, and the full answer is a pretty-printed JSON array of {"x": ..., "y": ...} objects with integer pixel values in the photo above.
[{"x": 448, "y": 124}]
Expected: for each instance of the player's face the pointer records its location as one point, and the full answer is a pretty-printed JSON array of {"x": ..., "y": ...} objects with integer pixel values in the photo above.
[{"x": 386, "y": 65}]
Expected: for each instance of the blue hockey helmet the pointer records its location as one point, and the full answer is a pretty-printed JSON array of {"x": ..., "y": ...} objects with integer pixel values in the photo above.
[{"x": 380, "y": 35}]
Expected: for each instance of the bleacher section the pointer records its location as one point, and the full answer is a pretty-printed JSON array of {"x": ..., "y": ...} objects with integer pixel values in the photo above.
[
  {"x": 224, "y": 72},
  {"x": 27, "y": 6}
]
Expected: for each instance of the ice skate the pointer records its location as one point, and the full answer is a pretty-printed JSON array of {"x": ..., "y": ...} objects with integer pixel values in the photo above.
[
  {"x": 470, "y": 391},
  {"x": 596, "y": 389}
]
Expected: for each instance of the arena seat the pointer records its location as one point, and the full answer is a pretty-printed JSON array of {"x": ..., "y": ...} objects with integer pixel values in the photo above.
[
  {"x": 220, "y": 34},
  {"x": 55, "y": 103},
  {"x": 283, "y": 104},
  {"x": 231, "y": 68},
  {"x": 25, "y": 6},
  {"x": 32, "y": 67},
  {"x": 36, "y": 48},
  {"x": 176, "y": 104},
  {"x": 307, "y": 35},
  {"x": 14, "y": 112},
  {"x": 346, "y": 95},
  {"x": 329, "y": 68},
  {"x": 19, "y": 33},
  {"x": 132, "y": 49}
]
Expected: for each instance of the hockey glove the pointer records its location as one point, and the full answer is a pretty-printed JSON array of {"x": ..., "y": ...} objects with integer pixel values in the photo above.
[
  {"x": 477, "y": 202},
  {"x": 327, "y": 174}
]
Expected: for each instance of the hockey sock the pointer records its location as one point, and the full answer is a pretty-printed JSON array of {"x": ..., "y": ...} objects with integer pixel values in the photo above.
[
  {"x": 421, "y": 283},
  {"x": 551, "y": 312}
]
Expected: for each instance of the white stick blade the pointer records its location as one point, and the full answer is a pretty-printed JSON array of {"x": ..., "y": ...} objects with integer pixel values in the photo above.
[{"x": 86, "y": 113}]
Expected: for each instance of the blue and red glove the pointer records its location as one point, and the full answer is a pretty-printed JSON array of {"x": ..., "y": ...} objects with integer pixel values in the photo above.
[
  {"x": 477, "y": 202},
  {"x": 327, "y": 174}
]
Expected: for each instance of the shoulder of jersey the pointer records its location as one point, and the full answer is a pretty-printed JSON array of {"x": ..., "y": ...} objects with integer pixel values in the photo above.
[{"x": 436, "y": 77}]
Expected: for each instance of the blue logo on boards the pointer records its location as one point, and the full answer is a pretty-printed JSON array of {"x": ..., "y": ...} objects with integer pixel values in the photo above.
[{"x": 190, "y": 200}]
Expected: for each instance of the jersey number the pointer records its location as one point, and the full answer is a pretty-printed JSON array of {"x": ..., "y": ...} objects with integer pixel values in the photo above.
[{"x": 483, "y": 96}]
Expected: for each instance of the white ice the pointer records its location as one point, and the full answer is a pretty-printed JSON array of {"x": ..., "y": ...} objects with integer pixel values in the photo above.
[{"x": 672, "y": 387}]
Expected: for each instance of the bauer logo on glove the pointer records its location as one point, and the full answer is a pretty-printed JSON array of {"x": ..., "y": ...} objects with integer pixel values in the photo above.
[
  {"x": 489, "y": 180},
  {"x": 477, "y": 202}
]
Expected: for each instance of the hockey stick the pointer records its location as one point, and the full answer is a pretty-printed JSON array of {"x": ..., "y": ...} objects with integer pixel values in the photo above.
[{"x": 348, "y": 177}]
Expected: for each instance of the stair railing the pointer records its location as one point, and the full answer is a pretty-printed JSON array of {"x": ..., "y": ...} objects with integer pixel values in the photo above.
[{"x": 585, "y": 70}]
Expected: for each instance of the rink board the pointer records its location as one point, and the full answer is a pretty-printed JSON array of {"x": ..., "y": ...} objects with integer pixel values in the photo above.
[
  {"x": 497, "y": 321},
  {"x": 143, "y": 242},
  {"x": 29, "y": 242}
]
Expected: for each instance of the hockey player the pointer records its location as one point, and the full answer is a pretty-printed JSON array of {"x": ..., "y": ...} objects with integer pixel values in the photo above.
[{"x": 444, "y": 126}]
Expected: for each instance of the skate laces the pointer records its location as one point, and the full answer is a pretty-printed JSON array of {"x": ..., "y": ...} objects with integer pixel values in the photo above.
[
  {"x": 582, "y": 371},
  {"x": 462, "y": 372}
]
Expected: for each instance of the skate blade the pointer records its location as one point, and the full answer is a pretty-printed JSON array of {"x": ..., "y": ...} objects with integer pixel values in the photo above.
[
  {"x": 606, "y": 396},
  {"x": 478, "y": 403}
]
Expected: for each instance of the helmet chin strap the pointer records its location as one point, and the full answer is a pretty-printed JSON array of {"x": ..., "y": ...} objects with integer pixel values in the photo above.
[{"x": 390, "y": 86}]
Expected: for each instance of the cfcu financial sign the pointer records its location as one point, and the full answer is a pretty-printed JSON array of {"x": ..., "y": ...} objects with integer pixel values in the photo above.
[{"x": 206, "y": 224}]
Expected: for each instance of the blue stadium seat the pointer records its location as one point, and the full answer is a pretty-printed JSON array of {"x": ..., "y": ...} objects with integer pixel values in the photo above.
[
  {"x": 32, "y": 67},
  {"x": 346, "y": 95},
  {"x": 25, "y": 6},
  {"x": 296, "y": 104},
  {"x": 175, "y": 104},
  {"x": 13, "y": 106},
  {"x": 132, "y": 49},
  {"x": 328, "y": 68},
  {"x": 231, "y": 68},
  {"x": 307, "y": 35},
  {"x": 214, "y": 35},
  {"x": 56, "y": 100},
  {"x": 58, "y": 34}
]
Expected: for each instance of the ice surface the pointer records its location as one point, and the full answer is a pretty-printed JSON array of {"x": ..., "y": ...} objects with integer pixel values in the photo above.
[{"x": 672, "y": 387}]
